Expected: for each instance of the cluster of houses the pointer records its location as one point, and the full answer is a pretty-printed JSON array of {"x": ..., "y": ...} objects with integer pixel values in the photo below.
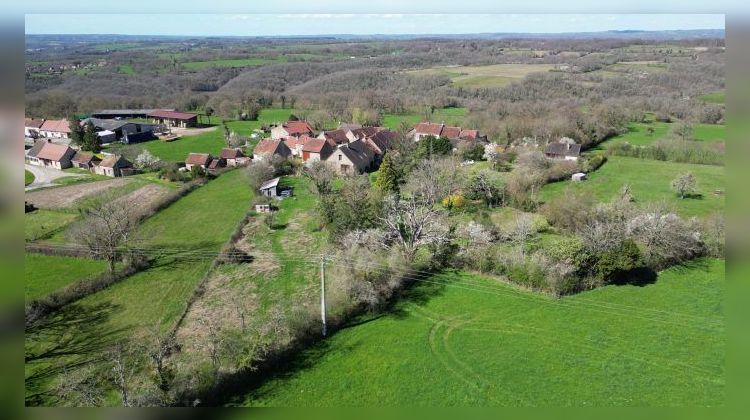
[{"x": 47, "y": 154}]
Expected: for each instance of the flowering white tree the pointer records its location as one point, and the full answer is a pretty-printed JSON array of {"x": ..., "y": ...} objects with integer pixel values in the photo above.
[{"x": 146, "y": 161}]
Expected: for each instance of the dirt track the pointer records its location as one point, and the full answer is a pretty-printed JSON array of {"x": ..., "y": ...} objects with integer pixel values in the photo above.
[{"x": 63, "y": 197}]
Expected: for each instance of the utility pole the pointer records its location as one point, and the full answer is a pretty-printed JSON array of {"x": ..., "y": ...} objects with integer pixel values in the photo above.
[{"x": 323, "y": 293}]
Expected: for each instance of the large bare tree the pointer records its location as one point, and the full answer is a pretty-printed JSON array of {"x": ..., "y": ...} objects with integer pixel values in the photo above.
[
  {"x": 411, "y": 224},
  {"x": 106, "y": 229}
]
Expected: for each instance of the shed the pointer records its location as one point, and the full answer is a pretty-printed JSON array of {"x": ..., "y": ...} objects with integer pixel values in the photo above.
[
  {"x": 578, "y": 176},
  {"x": 262, "y": 208},
  {"x": 270, "y": 188}
]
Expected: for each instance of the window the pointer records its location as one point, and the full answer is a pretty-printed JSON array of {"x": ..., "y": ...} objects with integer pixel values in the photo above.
[{"x": 339, "y": 157}]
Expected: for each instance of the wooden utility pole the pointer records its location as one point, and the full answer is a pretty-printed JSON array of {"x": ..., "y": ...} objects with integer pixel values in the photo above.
[{"x": 323, "y": 293}]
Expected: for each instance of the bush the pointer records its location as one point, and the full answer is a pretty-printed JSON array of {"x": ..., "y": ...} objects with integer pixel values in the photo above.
[
  {"x": 593, "y": 163},
  {"x": 569, "y": 210},
  {"x": 471, "y": 151},
  {"x": 172, "y": 173},
  {"x": 613, "y": 266},
  {"x": 454, "y": 201}
]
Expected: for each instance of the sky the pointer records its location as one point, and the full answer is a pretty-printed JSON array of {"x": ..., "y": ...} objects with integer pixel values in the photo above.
[{"x": 357, "y": 24}]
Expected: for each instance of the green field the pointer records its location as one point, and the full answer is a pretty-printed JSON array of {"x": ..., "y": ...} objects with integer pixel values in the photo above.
[
  {"x": 650, "y": 181},
  {"x": 204, "y": 219},
  {"x": 45, "y": 274},
  {"x": 451, "y": 116},
  {"x": 638, "y": 134},
  {"x": 42, "y": 223},
  {"x": 209, "y": 142},
  {"x": 126, "y": 69},
  {"x": 28, "y": 177},
  {"x": 484, "y": 76},
  {"x": 715, "y": 97},
  {"x": 710, "y": 132},
  {"x": 475, "y": 341}
]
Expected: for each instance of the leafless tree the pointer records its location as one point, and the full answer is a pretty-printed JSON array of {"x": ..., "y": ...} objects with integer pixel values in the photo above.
[
  {"x": 258, "y": 173},
  {"x": 684, "y": 184},
  {"x": 79, "y": 388},
  {"x": 433, "y": 180},
  {"x": 107, "y": 229},
  {"x": 666, "y": 237},
  {"x": 159, "y": 345},
  {"x": 321, "y": 174},
  {"x": 122, "y": 370},
  {"x": 411, "y": 224},
  {"x": 523, "y": 229}
]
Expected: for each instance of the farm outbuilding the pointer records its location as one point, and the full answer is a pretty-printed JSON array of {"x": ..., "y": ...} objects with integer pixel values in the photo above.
[
  {"x": 270, "y": 188},
  {"x": 175, "y": 119},
  {"x": 578, "y": 177}
]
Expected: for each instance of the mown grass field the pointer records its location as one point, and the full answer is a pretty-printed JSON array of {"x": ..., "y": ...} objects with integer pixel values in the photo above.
[
  {"x": 710, "y": 132},
  {"x": 28, "y": 177},
  {"x": 212, "y": 141},
  {"x": 451, "y": 116},
  {"x": 484, "y": 76},
  {"x": 475, "y": 341},
  {"x": 650, "y": 181},
  {"x": 157, "y": 296},
  {"x": 44, "y": 273},
  {"x": 638, "y": 134},
  {"x": 714, "y": 97},
  {"x": 42, "y": 223}
]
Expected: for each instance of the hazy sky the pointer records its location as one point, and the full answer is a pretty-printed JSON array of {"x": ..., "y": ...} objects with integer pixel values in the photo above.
[{"x": 321, "y": 24}]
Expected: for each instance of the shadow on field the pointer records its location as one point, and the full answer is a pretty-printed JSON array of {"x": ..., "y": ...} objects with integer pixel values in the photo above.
[
  {"x": 637, "y": 277},
  {"x": 237, "y": 388},
  {"x": 72, "y": 337}
]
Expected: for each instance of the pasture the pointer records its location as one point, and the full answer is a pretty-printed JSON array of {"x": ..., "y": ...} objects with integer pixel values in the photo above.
[
  {"x": 714, "y": 97},
  {"x": 451, "y": 116},
  {"x": 638, "y": 134},
  {"x": 210, "y": 141},
  {"x": 42, "y": 224},
  {"x": 44, "y": 274},
  {"x": 484, "y": 76},
  {"x": 28, "y": 177},
  {"x": 469, "y": 340},
  {"x": 649, "y": 181}
]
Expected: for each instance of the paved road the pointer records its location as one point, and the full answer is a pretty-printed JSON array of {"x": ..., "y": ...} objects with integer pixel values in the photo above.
[{"x": 44, "y": 177}]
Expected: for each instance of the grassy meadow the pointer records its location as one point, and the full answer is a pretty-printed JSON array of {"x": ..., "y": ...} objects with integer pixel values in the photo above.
[
  {"x": 484, "y": 76},
  {"x": 650, "y": 181},
  {"x": 44, "y": 274},
  {"x": 467, "y": 340},
  {"x": 28, "y": 177}
]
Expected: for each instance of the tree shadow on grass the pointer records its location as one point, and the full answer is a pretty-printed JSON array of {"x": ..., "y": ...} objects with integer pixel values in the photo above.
[
  {"x": 70, "y": 338},
  {"x": 236, "y": 388},
  {"x": 640, "y": 277}
]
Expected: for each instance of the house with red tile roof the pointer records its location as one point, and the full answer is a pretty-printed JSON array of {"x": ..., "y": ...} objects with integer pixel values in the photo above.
[
  {"x": 234, "y": 157},
  {"x": 455, "y": 134},
  {"x": 85, "y": 160},
  {"x": 31, "y": 127},
  {"x": 174, "y": 118},
  {"x": 113, "y": 165},
  {"x": 335, "y": 137},
  {"x": 295, "y": 144},
  {"x": 55, "y": 129},
  {"x": 316, "y": 149},
  {"x": 292, "y": 128},
  {"x": 267, "y": 148},
  {"x": 52, "y": 155},
  {"x": 198, "y": 159}
]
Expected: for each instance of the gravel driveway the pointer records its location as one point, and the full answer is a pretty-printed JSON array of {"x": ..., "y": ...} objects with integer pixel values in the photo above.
[{"x": 44, "y": 177}]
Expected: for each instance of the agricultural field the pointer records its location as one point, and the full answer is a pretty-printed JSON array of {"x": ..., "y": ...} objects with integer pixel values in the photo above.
[
  {"x": 42, "y": 224},
  {"x": 468, "y": 340},
  {"x": 715, "y": 97},
  {"x": 210, "y": 141},
  {"x": 44, "y": 274},
  {"x": 451, "y": 116},
  {"x": 157, "y": 296},
  {"x": 484, "y": 76},
  {"x": 650, "y": 181},
  {"x": 712, "y": 133},
  {"x": 639, "y": 135}
]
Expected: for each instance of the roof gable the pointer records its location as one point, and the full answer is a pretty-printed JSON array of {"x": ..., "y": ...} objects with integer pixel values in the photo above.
[
  {"x": 198, "y": 159},
  {"x": 54, "y": 152}
]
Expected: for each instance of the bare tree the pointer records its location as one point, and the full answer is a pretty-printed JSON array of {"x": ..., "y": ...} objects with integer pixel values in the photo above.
[
  {"x": 79, "y": 388},
  {"x": 122, "y": 371},
  {"x": 666, "y": 237},
  {"x": 159, "y": 345},
  {"x": 410, "y": 225},
  {"x": 523, "y": 229},
  {"x": 258, "y": 173},
  {"x": 432, "y": 180},
  {"x": 106, "y": 230},
  {"x": 321, "y": 175}
]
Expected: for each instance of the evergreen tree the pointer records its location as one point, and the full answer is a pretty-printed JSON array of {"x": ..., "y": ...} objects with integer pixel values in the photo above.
[
  {"x": 91, "y": 141},
  {"x": 389, "y": 176},
  {"x": 76, "y": 133}
]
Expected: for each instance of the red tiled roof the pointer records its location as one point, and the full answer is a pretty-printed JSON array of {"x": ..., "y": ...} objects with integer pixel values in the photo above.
[
  {"x": 266, "y": 146},
  {"x": 33, "y": 122},
  {"x": 228, "y": 153},
  {"x": 469, "y": 134},
  {"x": 81, "y": 157},
  {"x": 58, "y": 126},
  {"x": 429, "y": 128},
  {"x": 451, "y": 132},
  {"x": 52, "y": 151},
  {"x": 115, "y": 160},
  {"x": 298, "y": 127},
  {"x": 198, "y": 159},
  {"x": 174, "y": 115},
  {"x": 314, "y": 145},
  {"x": 337, "y": 136}
]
